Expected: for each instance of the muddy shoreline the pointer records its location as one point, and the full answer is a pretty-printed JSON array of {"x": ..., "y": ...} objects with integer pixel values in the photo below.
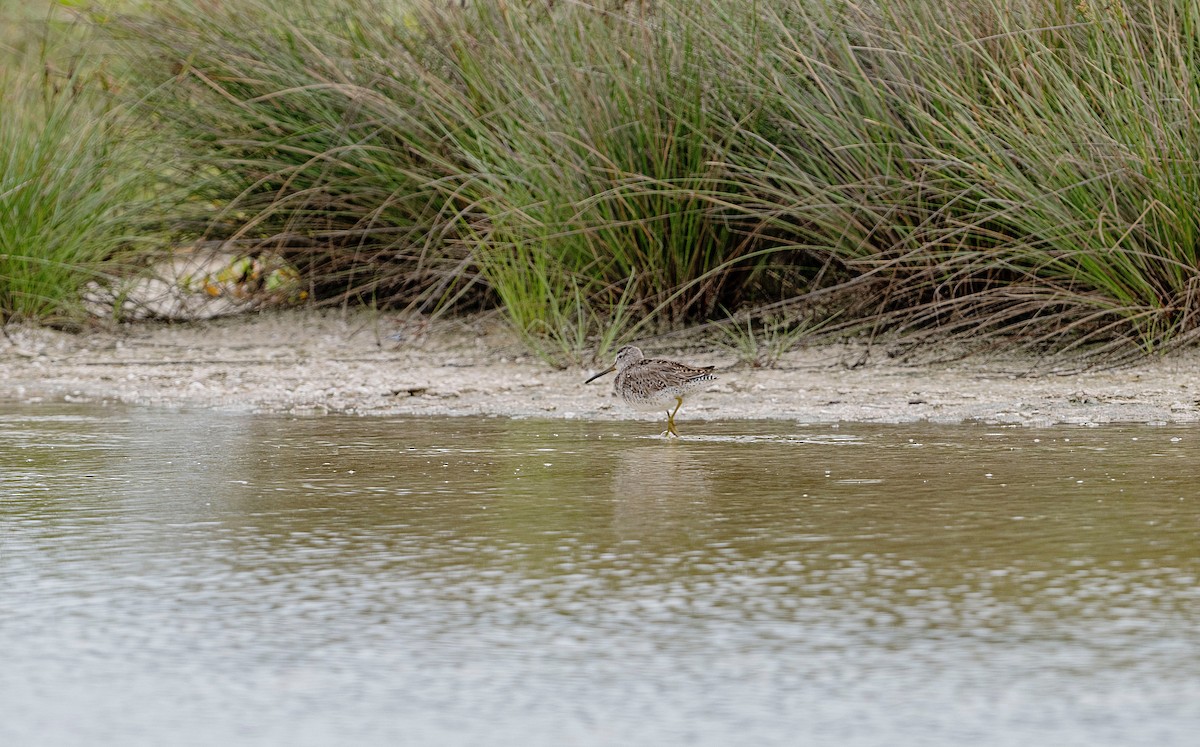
[{"x": 307, "y": 361}]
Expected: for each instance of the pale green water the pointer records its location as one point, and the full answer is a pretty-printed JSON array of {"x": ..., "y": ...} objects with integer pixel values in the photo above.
[{"x": 196, "y": 578}]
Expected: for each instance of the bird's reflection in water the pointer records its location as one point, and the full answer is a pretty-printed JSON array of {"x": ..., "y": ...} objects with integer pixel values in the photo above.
[{"x": 659, "y": 489}]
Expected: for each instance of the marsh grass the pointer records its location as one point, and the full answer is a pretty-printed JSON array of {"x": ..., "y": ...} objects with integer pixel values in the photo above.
[
  {"x": 561, "y": 164},
  {"x": 71, "y": 181},
  {"x": 762, "y": 340},
  {"x": 999, "y": 171},
  {"x": 1020, "y": 168}
]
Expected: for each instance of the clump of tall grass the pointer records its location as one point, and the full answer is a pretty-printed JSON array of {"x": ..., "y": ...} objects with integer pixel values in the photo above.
[
  {"x": 1026, "y": 168},
  {"x": 560, "y": 160},
  {"x": 1002, "y": 170},
  {"x": 595, "y": 157},
  {"x": 303, "y": 129},
  {"x": 70, "y": 182}
]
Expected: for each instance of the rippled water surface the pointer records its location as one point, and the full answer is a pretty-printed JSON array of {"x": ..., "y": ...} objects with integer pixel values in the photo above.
[{"x": 198, "y": 578}]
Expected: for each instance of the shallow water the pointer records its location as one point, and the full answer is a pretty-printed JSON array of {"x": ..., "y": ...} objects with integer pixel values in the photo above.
[{"x": 205, "y": 578}]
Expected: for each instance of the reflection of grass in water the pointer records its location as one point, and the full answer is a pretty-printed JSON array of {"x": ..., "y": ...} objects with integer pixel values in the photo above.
[{"x": 455, "y": 497}]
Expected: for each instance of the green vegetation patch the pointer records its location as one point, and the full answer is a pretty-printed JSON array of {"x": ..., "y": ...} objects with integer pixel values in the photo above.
[
  {"x": 76, "y": 176},
  {"x": 1000, "y": 172}
]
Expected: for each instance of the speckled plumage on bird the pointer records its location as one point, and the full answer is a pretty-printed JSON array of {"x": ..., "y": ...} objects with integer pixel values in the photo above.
[{"x": 653, "y": 383}]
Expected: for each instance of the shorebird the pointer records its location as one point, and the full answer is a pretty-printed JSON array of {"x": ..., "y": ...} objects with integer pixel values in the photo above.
[{"x": 652, "y": 383}]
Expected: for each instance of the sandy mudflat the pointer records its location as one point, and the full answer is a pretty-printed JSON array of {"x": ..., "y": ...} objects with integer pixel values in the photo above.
[{"x": 330, "y": 362}]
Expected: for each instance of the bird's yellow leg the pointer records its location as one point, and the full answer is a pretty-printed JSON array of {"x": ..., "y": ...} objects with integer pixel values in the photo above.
[{"x": 671, "y": 417}]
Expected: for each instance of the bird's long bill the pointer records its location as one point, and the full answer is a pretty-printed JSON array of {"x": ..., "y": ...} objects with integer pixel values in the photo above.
[{"x": 608, "y": 370}]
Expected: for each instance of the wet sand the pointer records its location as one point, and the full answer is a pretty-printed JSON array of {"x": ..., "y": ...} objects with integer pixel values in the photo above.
[{"x": 308, "y": 361}]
